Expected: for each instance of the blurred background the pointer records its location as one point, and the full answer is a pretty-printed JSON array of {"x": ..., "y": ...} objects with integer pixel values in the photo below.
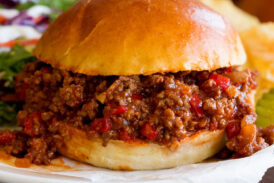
[{"x": 263, "y": 9}]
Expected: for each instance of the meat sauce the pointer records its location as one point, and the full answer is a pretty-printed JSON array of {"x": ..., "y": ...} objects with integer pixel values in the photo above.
[{"x": 158, "y": 108}]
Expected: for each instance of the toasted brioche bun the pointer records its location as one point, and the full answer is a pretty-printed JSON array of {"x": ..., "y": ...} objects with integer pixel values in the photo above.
[
  {"x": 132, "y": 37},
  {"x": 120, "y": 155}
]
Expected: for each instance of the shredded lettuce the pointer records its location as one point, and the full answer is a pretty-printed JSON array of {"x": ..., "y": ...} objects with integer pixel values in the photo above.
[
  {"x": 12, "y": 63},
  {"x": 57, "y": 5},
  {"x": 54, "y": 4},
  {"x": 8, "y": 114},
  {"x": 60, "y": 4},
  {"x": 25, "y": 6}
]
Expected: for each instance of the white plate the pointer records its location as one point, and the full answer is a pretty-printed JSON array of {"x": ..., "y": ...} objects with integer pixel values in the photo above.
[{"x": 245, "y": 170}]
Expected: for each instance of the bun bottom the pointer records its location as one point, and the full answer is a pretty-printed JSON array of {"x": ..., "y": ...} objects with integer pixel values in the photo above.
[{"x": 120, "y": 155}]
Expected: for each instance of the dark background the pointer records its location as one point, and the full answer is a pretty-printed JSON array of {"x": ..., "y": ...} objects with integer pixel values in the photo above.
[{"x": 268, "y": 177}]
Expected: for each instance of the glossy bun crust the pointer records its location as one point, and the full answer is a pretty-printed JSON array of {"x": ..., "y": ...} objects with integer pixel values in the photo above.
[
  {"x": 132, "y": 37},
  {"x": 138, "y": 155}
]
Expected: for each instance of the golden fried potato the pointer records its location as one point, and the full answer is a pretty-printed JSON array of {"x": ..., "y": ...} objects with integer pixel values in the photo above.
[
  {"x": 259, "y": 45},
  {"x": 239, "y": 18}
]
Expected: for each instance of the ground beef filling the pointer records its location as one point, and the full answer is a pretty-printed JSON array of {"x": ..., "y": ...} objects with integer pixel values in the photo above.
[{"x": 159, "y": 108}]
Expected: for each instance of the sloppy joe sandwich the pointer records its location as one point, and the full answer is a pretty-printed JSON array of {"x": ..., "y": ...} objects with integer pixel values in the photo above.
[{"x": 136, "y": 85}]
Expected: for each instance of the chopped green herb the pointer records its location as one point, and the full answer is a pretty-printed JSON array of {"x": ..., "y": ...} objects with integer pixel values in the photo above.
[{"x": 8, "y": 114}]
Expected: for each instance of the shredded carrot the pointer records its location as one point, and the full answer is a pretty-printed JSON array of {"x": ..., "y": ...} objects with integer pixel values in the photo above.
[
  {"x": 3, "y": 19},
  {"x": 38, "y": 19},
  {"x": 19, "y": 42},
  {"x": 28, "y": 42},
  {"x": 8, "y": 44}
]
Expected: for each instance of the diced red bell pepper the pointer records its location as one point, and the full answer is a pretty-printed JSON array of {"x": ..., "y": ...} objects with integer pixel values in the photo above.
[
  {"x": 29, "y": 123},
  {"x": 149, "y": 132},
  {"x": 125, "y": 136},
  {"x": 220, "y": 80},
  {"x": 137, "y": 96},
  {"x": 197, "y": 104},
  {"x": 119, "y": 110},
  {"x": 232, "y": 129},
  {"x": 7, "y": 137},
  {"x": 101, "y": 125},
  {"x": 228, "y": 70}
]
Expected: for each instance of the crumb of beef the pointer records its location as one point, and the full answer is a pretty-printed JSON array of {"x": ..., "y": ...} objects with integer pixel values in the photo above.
[
  {"x": 158, "y": 108},
  {"x": 268, "y": 134}
]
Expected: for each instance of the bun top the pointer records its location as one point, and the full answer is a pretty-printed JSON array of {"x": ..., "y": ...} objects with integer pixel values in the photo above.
[{"x": 132, "y": 37}]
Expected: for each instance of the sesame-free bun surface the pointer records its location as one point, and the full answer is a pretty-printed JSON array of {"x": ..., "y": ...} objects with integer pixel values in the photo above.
[
  {"x": 130, "y": 37},
  {"x": 120, "y": 155}
]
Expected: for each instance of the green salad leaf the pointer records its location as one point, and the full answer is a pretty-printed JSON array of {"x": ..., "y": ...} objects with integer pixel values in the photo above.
[
  {"x": 25, "y": 6},
  {"x": 12, "y": 63},
  {"x": 265, "y": 109},
  {"x": 57, "y": 4},
  {"x": 8, "y": 114},
  {"x": 54, "y": 4}
]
